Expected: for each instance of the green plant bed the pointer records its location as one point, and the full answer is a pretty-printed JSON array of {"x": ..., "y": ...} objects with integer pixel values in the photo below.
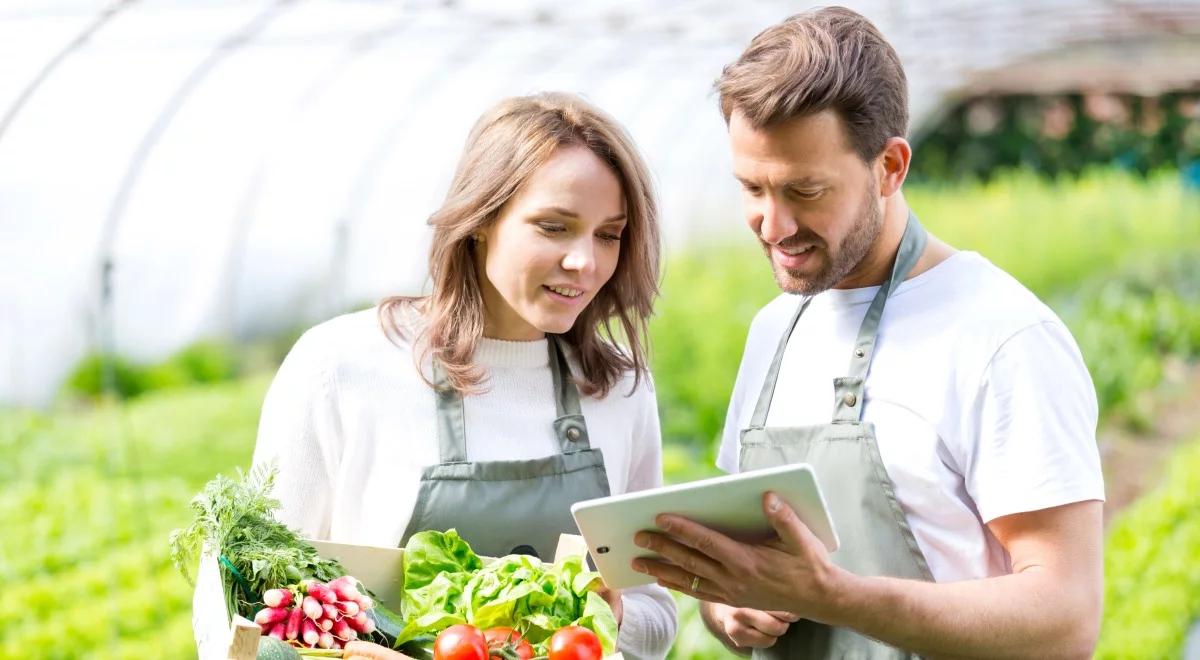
[{"x": 1152, "y": 567}]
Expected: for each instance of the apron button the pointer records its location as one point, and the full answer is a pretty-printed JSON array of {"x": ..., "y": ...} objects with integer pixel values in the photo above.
[
  {"x": 572, "y": 434},
  {"x": 858, "y": 352},
  {"x": 849, "y": 399}
]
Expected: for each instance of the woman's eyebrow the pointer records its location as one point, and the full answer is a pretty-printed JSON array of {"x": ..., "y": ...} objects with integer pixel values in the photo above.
[{"x": 558, "y": 210}]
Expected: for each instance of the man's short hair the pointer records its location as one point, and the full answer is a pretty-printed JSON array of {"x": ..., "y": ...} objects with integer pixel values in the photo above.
[{"x": 823, "y": 59}]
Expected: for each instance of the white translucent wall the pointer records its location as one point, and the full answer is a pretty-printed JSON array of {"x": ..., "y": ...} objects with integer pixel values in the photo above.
[{"x": 247, "y": 167}]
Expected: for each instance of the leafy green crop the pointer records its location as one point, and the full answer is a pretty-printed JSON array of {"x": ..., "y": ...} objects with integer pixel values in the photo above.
[
  {"x": 446, "y": 583},
  {"x": 1152, "y": 567}
]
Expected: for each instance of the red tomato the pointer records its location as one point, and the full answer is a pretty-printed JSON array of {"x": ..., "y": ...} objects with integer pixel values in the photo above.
[
  {"x": 575, "y": 643},
  {"x": 460, "y": 642},
  {"x": 506, "y": 638}
]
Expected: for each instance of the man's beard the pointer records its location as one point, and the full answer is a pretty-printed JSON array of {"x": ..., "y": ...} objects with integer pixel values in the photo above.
[{"x": 838, "y": 264}]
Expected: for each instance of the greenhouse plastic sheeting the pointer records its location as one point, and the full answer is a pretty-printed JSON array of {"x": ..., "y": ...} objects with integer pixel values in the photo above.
[{"x": 171, "y": 171}]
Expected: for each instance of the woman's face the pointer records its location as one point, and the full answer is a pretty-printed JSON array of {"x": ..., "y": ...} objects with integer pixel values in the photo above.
[{"x": 554, "y": 244}]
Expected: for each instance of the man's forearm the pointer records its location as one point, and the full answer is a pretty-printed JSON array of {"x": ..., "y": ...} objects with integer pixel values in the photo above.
[
  {"x": 1019, "y": 615},
  {"x": 710, "y": 622}
]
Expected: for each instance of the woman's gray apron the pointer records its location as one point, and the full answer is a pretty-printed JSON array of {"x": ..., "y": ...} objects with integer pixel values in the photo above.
[
  {"x": 874, "y": 534},
  {"x": 505, "y": 507}
]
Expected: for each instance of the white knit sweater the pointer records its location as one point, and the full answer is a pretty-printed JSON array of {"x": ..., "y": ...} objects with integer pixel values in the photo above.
[{"x": 351, "y": 424}]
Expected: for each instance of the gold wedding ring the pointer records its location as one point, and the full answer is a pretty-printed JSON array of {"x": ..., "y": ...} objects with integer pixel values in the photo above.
[{"x": 696, "y": 584}]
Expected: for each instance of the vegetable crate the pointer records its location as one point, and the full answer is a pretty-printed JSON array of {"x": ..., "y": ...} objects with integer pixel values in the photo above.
[{"x": 219, "y": 638}]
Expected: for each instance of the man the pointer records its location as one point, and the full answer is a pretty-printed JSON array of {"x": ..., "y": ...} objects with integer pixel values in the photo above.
[{"x": 947, "y": 412}]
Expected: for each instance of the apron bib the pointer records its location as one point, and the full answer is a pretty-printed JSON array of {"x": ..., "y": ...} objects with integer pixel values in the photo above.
[
  {"x": 874, "y": 533},
  {"x": 509, "y": 507}
]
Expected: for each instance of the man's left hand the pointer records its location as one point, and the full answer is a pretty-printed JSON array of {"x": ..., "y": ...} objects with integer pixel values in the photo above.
[{"x": 792, "y": 573}]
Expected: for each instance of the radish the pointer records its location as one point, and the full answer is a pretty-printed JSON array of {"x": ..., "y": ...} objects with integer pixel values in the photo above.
[
  {"x": 325, "y": 641},
  {"x": 321, "y": 592},
  {"x": 336, "y": 645},
  {"x": 346, "y": 588},
  {"x": 309, "y": 633},
  {"x": 325, "y": 624},
  {"x": 362, "y": 623},
  {"x": 348, "y": 607},
  {"x": 365, "y": 602},
  {"x": 277, "y": 631},
  {"x": 312, "y": 608},
  {"x": 277, "y": 598},
  {"x": 292, "y": 631},
  {"x": 343, "y": 631},
  {"x": 331, "y": 612},
  {"x": 271, "y": 615}
]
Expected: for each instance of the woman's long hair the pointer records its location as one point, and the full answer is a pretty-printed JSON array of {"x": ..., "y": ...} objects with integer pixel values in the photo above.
[{"x": 508, "y": 143}]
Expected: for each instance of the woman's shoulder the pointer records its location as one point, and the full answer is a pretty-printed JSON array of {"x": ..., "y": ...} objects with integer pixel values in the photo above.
[{"x": 362, "y": 337}]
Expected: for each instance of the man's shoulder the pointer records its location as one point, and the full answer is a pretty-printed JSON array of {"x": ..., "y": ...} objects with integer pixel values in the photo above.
[
  {"x": 978, "y": 295},
  {"x": 775, "y": 314}
]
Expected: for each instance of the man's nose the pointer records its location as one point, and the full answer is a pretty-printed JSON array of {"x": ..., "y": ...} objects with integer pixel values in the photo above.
[{"x": 778, "y": 222}]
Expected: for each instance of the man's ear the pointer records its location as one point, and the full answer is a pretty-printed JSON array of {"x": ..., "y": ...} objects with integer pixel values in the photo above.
[{"x": 893, "y": 165}]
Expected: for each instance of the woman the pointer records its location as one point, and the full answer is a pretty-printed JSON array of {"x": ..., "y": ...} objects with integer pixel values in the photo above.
[{"x": 496, "y": 402}]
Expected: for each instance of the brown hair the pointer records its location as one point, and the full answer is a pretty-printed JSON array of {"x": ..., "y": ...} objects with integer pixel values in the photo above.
[
  {"x": 821, "y": 59},
  {"x": 508, "y": 143}
]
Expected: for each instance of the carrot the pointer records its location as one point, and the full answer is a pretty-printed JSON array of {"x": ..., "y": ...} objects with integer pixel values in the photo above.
[{"x": 368, "y": 651}]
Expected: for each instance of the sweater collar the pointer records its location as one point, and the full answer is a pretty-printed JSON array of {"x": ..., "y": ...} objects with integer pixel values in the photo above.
[{"x": 519, "y": 354}]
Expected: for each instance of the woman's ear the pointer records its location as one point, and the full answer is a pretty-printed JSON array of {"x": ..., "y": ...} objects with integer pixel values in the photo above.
[{"x": 894, "y": 162}]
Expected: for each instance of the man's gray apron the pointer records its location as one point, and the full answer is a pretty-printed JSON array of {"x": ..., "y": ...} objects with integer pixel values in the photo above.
[
  {"x": 504, "y": 507},
  {"x": 874, "y": 534}
]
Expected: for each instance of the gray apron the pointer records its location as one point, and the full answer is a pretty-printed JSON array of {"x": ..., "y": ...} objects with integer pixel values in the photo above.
[
  {"x": 874, "y": 534},
  {"x": 506, "y": 507}
]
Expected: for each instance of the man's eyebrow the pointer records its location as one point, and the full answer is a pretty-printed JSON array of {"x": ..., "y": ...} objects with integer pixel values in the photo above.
[{"x": 800, "y": 182}]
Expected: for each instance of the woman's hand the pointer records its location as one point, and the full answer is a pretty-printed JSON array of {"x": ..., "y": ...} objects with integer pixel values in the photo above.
[{"x": 613, "y": 598}]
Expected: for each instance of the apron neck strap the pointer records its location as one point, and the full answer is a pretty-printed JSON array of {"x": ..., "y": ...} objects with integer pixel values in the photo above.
[
  {"x": 759, "y": 418},
  {"x": 848, "y": 391},
  {"x": 569, "y": 426}
]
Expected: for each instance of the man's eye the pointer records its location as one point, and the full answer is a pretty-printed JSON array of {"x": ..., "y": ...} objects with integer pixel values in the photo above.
[
  {"x": 807, "y": 194},
  {"x": 753, "y": 190}
]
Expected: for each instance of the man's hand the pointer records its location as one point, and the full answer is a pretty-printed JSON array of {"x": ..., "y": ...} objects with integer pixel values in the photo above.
[
  {"x": 792, "y": 573},
  {"x": 742, "y": 629}
]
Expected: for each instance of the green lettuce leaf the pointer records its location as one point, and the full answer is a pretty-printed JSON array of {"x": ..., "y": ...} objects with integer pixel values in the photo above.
[{"x": 446, "y": 583}]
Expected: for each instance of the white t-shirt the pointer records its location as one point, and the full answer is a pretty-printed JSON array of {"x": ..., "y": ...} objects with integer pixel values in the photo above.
[
  {"x": 351, "y": 425},
  {"x": 981, "y": 402}
]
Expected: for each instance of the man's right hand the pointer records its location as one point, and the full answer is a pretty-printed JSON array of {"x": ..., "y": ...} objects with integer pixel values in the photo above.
[{"x": 742, "y": 629}]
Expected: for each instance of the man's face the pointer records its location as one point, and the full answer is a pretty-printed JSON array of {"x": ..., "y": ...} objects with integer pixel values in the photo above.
[{"x": 812, "y": 202}]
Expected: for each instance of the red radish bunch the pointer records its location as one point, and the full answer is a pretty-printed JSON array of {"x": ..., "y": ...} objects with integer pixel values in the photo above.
[{"x": 317, "y": 615}]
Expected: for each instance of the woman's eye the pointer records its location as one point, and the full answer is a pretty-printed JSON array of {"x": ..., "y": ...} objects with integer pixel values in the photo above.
[
  {"x": 551, "y": 228},
  {"x": 609, "y": 238}
]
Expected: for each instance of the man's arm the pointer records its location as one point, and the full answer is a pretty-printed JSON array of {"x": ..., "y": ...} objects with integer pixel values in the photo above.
[{"x": 1049, "y": 607}]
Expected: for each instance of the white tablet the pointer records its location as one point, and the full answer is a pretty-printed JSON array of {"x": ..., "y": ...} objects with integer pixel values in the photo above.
[{"x": 730, "y": 504}]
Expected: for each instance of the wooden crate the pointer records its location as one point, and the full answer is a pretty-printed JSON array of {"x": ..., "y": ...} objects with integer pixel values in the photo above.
[{"x": 220, "y": 638}]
